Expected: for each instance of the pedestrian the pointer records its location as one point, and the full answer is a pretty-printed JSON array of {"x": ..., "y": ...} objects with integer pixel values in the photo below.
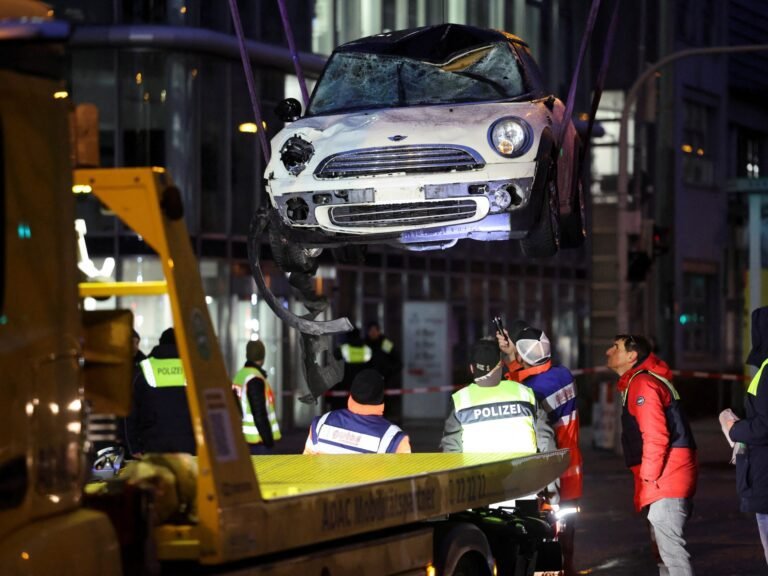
[
  {"x": 361, "y": 426},
  {"x": 752, "y": 432},
  {"x": 555, "y": 392},
  {"x": 385, "y": 358},
  {"x": 658, "y": 447},
  {"x": 476, "y": 424},
  {"x": 160, "y": 420},
  {"x": 138, "y": 355},
  {"x": 357, "y": 357},
  {"x": 257, "y": 401}
]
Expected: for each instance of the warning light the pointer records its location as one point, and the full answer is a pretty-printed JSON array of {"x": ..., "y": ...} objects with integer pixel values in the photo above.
[
  {"x": 250, "y": 127},
  {"x": 24, "y": 230},
  {"x": 687, "y": 148},
  {"x": 683, "y": 319}
]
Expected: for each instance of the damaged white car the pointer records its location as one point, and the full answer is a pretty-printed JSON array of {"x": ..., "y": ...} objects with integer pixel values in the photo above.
[{"x": 424, "y": 137}]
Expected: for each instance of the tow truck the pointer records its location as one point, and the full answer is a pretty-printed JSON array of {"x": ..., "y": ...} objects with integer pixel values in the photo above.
[{"x": 288, "y": 514}]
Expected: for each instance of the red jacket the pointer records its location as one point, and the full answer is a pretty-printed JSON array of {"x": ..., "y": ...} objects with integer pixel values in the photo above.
[{"x": 664, "y": 472}]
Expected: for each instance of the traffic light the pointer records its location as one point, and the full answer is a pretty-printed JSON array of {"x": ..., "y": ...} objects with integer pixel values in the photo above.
[{"x": 661, "y": 241}]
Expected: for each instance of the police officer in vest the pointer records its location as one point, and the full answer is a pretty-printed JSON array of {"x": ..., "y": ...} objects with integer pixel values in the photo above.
[
  {"x": 360, "y": 428},
  {"x": 257, "y": 401},
  {"x": 491, "y": 414},
  {"x": 160, "y": 420}
]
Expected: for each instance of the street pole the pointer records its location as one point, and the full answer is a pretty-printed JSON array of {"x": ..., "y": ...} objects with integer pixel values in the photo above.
[{"x": 622, "y": 312}]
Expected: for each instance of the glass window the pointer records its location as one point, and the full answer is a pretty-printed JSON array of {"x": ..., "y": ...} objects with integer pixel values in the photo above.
[
  {"x": 358, "y": 81},
  {"x": 698, "y": 144}
]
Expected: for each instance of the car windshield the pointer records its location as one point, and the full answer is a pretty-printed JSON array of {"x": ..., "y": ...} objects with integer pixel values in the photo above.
[{"x": 355, "y": 80}]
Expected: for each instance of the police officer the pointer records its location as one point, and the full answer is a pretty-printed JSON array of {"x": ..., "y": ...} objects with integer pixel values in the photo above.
[
  {"x": 257, "y": 401},
  {"x": 490, "y": 414},
  {"x": 160, "y": 420},
  {"x": 360, "y": 428}
]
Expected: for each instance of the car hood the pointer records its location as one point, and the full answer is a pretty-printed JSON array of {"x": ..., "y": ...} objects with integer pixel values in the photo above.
[{"x": 465, "y": 125}]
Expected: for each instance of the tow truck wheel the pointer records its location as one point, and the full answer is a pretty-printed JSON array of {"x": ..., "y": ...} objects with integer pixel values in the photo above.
[
  {"x": 542, "y": 241},
  {"x": 470, "y": 565}
]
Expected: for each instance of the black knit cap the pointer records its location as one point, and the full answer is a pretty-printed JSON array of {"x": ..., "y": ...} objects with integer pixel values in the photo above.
[
  {"x": 516, "y": 327},
  {"x": 168, "y": 337},
  {"x": 368, "y": 387},
  {"x": 485, "y": 356}
]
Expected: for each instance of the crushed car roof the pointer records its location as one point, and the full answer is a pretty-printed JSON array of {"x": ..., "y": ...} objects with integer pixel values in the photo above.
[{"x": 435, "y": 44}]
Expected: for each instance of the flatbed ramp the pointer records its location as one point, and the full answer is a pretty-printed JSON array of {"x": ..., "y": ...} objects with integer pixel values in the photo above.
[{"x": 312, "y": 499}]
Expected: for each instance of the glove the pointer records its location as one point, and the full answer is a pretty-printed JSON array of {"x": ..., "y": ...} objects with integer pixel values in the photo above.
[{"x": 727, "y": 418}]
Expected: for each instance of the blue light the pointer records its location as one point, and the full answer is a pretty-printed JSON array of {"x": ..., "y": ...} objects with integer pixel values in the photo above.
[
  {"x": 24, "y": 231},
  {"x": 684, "y": 319},
  {"x": 3, "y": 320}
]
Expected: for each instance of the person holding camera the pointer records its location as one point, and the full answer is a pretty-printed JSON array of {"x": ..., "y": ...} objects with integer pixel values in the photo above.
[{"x": 530, "y": 362}]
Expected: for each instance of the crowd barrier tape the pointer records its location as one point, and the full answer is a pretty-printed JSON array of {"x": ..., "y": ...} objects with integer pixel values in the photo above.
[{"x": 576, "y": 372}]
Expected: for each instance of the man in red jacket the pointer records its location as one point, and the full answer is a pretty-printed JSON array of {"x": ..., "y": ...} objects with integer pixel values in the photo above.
[{"x": 658, "y": 447}]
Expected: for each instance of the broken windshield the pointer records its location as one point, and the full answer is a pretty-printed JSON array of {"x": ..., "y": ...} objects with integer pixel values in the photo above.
[{"x": 356, "y": 81}]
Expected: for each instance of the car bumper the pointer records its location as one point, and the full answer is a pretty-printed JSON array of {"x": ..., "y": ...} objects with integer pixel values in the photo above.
[{"x": 413, "y": 210}]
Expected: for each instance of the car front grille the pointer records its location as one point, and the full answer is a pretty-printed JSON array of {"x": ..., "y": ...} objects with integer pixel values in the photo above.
[
  {"x": 391, "y": 215},
  {"x": 399, "y": 159}
]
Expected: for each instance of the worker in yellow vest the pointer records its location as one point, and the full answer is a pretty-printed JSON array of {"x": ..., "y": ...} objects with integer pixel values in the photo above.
[{"x": 257, "y": 401}]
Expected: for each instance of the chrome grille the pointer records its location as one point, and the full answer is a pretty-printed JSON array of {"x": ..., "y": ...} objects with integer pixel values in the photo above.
[
  {"x": 402, "y": 159},
  {"x": 415, "y": 214}
]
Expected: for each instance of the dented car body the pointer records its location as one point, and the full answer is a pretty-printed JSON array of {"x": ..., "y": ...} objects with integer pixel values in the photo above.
[{"x": 424, "y": 137}]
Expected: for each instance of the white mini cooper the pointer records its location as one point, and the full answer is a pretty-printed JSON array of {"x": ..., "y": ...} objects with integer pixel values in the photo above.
[{"x": 423, "y": 137}]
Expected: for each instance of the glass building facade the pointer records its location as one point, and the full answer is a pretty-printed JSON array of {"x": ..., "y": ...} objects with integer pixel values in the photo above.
[{"x": 165, "y": 104}]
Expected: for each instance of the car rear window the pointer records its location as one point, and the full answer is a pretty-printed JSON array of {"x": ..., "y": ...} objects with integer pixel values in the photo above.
[{"x": 356, "y": 81}]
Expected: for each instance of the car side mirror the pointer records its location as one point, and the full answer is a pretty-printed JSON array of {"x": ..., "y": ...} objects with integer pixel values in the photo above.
[{"x": 288, "y": 110}]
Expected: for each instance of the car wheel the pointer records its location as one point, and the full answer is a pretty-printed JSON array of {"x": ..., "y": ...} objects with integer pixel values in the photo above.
[
  {"x": 572, "y": 233},
  {"x": 542, "y": 241},
  {"x": 289, "y": 256}
]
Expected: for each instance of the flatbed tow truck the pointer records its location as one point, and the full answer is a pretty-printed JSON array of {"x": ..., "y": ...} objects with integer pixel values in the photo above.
[{"x": 324, "y": 515}]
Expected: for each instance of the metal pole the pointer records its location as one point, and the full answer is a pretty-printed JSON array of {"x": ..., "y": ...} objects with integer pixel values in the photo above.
[
  {"x": 622, "y": 313},
  {"x": 755, "y": 260}
]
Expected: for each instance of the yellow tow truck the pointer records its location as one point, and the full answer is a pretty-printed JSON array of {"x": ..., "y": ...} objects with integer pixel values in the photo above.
[{"x": 323, "y": 515}]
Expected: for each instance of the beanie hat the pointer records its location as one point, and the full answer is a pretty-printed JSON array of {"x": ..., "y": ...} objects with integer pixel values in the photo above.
[
  {"x": 368, "y": 387},
  {"x": 168, "y": 337},
  {"x": 533, "y": 346},
  {"x": 485, "y": 357},
  {"x": 255, "y": 351}
]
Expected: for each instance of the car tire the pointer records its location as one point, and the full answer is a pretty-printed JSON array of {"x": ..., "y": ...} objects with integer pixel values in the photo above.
[
  {"x": 572, "y": 233},
  {"x": 288, "y": 255},
  {"x": 542, "y": 240}
]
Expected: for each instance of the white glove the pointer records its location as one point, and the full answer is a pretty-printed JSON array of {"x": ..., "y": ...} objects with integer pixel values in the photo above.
[{"x": 727, "y": 416}]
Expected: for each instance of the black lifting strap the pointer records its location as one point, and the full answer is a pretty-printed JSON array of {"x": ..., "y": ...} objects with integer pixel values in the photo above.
[
  {"x": 258, "y": 224},
  {"x": 607, "y": 50}
]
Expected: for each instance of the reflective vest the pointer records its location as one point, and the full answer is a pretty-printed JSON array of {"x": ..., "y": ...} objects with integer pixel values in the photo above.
[
  {"x": 163, "y": 372},
  {"x": 356, "y": 354},
  {"x": 680, "y": 435},
  {"x": 344, "y": 432},
  {"x": 240, "y": 384},
  {"x": 497, "y": 418},
  {"x": 756, "y": 380},
  {"x": 387, "y": 346}
]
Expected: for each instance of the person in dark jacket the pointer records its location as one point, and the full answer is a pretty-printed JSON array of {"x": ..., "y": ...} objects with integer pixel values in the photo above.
[
  {"x": 160, "y": 420},
  {"x": 752, "y": 432},
  {"x": 385, "y": 358},
  {"x": 659, "y": 447},
  {"x": 256, "y": 400}
]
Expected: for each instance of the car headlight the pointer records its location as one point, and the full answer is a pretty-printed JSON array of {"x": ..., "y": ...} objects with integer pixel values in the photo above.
[
  {"x": 295, "y": 154},
  {"x": 510, "y": 137}
]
